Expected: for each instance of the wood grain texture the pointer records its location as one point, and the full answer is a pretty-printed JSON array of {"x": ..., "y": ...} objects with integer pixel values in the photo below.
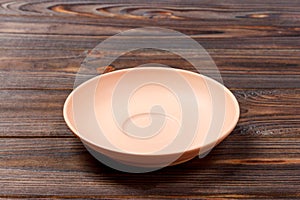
[
  {"x": 255, "y": 44},
  {"x": 263, "y": 112},
  {"x": 238, "y": 167},
  {"x": 252, "y": 41},
  {"x": 56, "y": 69}
]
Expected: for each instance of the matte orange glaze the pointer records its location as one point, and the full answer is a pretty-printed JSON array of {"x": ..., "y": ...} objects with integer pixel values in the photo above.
[{"x": 103, "y": 126}]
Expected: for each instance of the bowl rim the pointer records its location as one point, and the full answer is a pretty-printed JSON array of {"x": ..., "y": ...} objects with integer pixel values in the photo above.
[{"x": 206, "y": 78}]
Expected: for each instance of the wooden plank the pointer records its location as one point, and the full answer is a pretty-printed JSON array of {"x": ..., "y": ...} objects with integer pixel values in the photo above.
[
  {"x": 239, "y": 167},
  {"x": 69, "y": 28},
  {"x": 56, "y": 69},
  {"x": 185, "y": 14},
  {"x": 38, "y": 113},
  {"x": 31, "y": 41}
]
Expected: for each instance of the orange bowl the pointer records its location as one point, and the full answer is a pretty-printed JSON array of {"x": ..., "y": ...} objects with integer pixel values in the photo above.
[{"x": 150, "y": 117}]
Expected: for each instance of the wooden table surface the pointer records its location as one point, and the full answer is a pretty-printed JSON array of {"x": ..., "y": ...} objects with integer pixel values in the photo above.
[{"x": 255, "y": 44}]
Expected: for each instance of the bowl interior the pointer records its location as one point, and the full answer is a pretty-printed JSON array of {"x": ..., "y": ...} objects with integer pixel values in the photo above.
[{"x": 151, "y": 111}]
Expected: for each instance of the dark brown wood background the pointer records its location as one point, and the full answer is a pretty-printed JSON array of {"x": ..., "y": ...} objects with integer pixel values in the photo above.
[{"x": 255, "y": 44}]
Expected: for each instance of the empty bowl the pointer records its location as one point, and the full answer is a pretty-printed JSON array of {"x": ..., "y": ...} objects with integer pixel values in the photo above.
[{"x": 151, "y": 117}]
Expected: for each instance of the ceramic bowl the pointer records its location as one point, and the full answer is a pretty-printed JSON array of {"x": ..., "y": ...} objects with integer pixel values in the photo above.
[{"x": 151, "y": 117}]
